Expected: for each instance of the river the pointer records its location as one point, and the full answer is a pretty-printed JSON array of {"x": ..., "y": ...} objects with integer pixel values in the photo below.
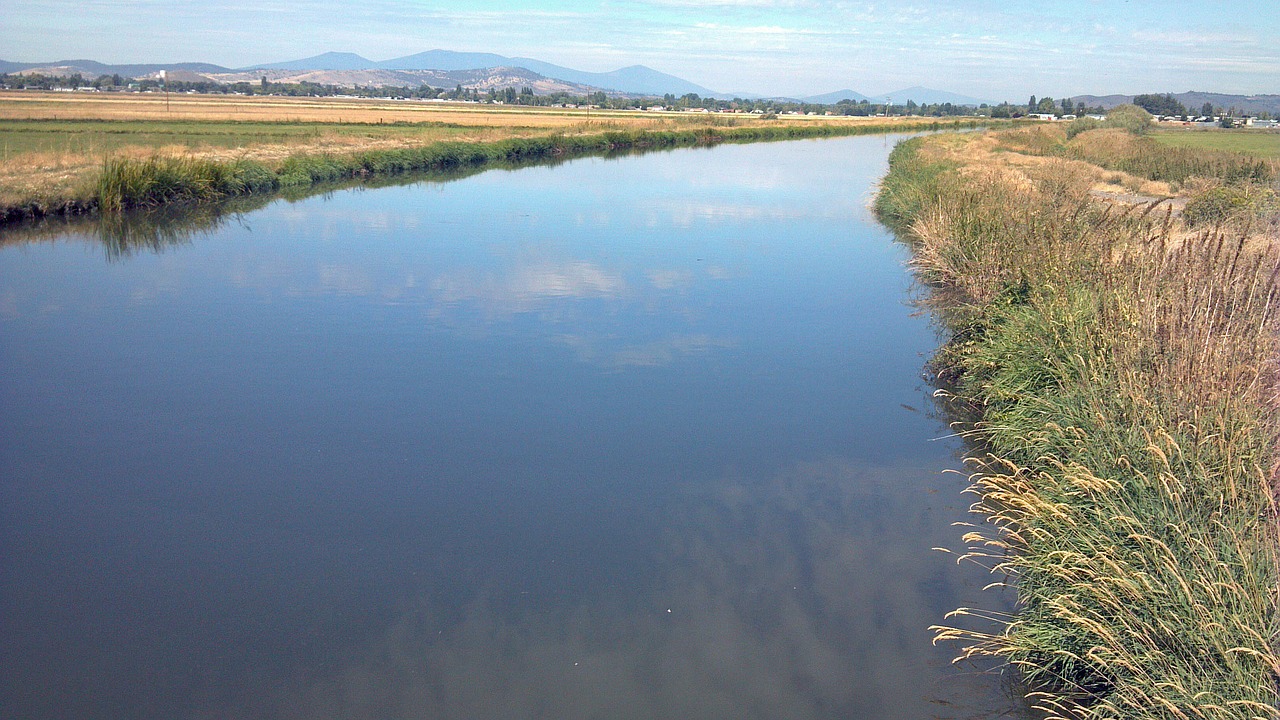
[{"x": 637, "y": 437}]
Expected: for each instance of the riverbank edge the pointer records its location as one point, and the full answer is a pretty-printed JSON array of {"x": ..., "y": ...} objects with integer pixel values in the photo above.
[
  {"x": 125, "y": 183},
  {"x": 1057, "y": 476}
]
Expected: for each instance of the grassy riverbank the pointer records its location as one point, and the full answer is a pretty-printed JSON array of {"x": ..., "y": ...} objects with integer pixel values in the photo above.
[
  {"x": 70, "y": 154},
  {"x": 1121, "y": 365},
  {"x": 126, "y": 183}
]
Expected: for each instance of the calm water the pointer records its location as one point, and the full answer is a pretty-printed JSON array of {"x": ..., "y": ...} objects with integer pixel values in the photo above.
[{"x": 643, "y": 437}]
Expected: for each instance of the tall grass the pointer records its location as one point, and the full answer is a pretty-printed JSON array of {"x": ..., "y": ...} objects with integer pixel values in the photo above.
[
  {"x": 1118, "y": 149},
  {"x": 125, "y": 182},
  {"x": 1124, "y": 375}
]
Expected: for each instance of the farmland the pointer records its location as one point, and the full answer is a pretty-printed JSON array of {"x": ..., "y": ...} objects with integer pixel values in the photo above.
[
  {"x": 1260, "y": 143},
  {"x": 53, "y": 146}
]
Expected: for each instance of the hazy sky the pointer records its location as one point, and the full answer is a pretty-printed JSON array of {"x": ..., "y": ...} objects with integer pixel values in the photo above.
[{"x": 990, "y": 50}]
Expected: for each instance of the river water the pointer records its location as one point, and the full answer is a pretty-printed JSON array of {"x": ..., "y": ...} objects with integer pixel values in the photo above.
[{"x": 643, "y": 437}]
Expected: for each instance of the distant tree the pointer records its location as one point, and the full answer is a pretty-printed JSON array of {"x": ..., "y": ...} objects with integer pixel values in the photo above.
[
  {"x": 1047, "y": 105},
  {"x": 264, "y": 83},
  {"x": 1067, "y": 106},
  {"x": 1207, "y": 109},
  {"x": 1160, "y": 104},
  {"x": 1032, "y": 105}
]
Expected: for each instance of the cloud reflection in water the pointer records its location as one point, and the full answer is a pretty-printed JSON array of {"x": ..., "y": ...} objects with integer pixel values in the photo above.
[{"x": 757, "y": 606}]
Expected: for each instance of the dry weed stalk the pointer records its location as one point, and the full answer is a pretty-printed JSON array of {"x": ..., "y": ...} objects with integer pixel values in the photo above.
[{"x": 1125, "y": 370}]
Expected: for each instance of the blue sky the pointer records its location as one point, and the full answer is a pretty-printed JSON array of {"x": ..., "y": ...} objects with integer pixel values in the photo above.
[{"x": 990, "y": 50}]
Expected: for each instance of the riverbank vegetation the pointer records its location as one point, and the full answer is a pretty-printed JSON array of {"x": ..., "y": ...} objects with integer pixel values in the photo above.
[
  {"x": 1118, "y": 358},
  {"x": 227, "y": 147}
]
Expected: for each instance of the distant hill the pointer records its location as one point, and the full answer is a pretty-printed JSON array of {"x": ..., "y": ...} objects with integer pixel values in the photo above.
[
  {"x": 832, "y": 98},
  {"x": 324, "y": 61},
  {"x": 633, "y": 80},
  {"x": 926, "y": 96},
  {"x": 482, "y": 79},
  {"x": 1194, "y": 100},
  {"x": 446, "y": 60},
  {"x": 1105, "y": 101},
  {"x": 92, "y": 68},
  {"x": 636, "y": 79}
]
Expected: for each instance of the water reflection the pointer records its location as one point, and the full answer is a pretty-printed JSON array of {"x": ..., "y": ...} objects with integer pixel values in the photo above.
[
  {"x": 607, "y": 353},
  {"x": 155, "y": 229},
  {"x": 528, "y": 285},
  {"x": 756, "y": 604},
  {"x": 416, "y": 451}
]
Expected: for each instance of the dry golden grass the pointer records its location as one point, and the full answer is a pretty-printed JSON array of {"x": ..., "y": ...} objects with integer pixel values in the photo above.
[
  {"x": 1002, "y": 153},
  {"x": 998, "y": 157},
  {"x": 229, "y": 127},
  {"x": 27, "y": 105}
]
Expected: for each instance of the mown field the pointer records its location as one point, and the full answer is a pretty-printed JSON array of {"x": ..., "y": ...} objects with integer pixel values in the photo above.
[
  {"x": 1260, "y": 143},
  {"x": 98, "y": 137},
  {"x": 56, "y": 147},
  {"x": 1114, "y": 359}
]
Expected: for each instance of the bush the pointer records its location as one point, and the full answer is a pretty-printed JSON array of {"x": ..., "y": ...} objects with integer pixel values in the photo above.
[
  {"x": 1084, "y": 124},
  {"x": 1231, "y": 204},
  {"x": 1129, "y": 117}
]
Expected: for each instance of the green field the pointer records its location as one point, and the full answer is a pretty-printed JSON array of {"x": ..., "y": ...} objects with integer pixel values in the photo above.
[{"x": 1259, "y": 143}]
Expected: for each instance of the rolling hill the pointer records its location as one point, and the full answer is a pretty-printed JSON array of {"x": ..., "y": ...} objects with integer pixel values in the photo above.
[
  {"x": 926, "y": 96},
  {"x": 92, "y": 68},
  {"x": 832, "y": 98},
  {"x": 636, "y": 79}
]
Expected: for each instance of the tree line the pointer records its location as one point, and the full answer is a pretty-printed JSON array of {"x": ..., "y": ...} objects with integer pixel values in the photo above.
[{"x": 1155, "y": 104}]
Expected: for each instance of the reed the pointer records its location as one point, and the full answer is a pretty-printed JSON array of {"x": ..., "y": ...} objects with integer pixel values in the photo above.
[
  {"x": 1123, "y": 373},
  {"x": 127, "y": 182}
]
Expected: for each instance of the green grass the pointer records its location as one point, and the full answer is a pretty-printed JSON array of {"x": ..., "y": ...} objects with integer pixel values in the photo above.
[
  {"x": 1124, "y": 439},
  {"x": 1259, "y": 143}
]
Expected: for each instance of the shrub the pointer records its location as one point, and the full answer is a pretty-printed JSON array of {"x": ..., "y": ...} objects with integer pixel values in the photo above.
[
  {"x": 1232, "y": 204},
  {"x": 1129, "y": 117}
]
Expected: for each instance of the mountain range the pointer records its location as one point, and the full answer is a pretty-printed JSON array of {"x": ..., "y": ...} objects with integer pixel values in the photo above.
[
  {"x": 443, "y": 68},
  {"x": 636, "y": 79},
  {"x": 93, "y": 68}
]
